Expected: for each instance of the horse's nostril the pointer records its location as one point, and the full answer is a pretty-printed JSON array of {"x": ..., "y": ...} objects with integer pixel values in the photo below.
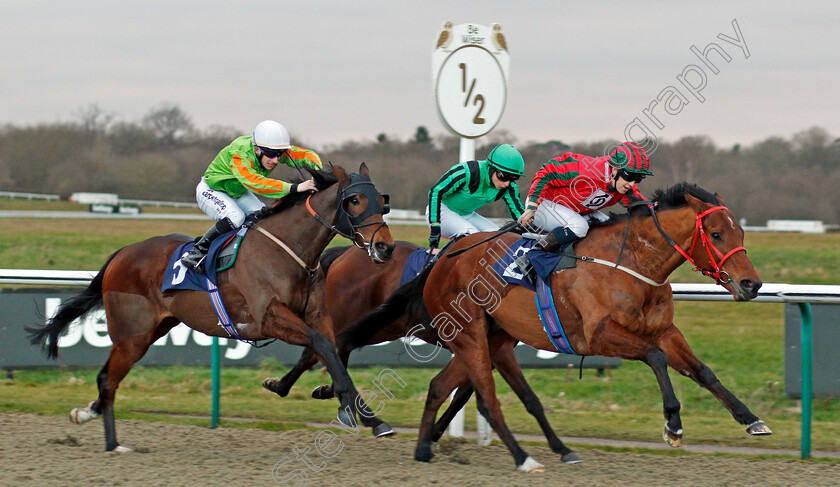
[
  {"x": 384, "y": 249},
  {"x": 750, "y": 286}
]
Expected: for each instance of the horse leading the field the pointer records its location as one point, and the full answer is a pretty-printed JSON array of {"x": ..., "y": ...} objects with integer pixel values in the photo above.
[
  {"x": 275, "y": 290},
  {"x": 626, "y": 313}
]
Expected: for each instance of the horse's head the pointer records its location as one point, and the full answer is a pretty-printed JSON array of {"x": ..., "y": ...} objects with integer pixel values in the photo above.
[
  {"x": 718, "y": 249},
  {"x": 359, "y": 213}
]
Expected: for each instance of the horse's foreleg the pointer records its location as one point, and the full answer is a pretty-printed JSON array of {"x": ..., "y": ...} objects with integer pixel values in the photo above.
[
  {"x": 327, "y": 391},
  {"x": 280, "y": 322},
  {"x": 344, "y": 388},
  {"x": 508, "y": 367},
  {"x": 613, "y": 340},
  {"x": 282, "y": 386},
  {"x": 682, "y": 359}
]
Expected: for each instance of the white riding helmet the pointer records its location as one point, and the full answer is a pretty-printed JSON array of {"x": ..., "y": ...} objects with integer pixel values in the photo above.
[{"x": 271, "y": 135}]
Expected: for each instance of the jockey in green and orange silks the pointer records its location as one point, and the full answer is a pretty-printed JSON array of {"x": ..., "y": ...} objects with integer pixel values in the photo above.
[{"x": 227, "y": 192}]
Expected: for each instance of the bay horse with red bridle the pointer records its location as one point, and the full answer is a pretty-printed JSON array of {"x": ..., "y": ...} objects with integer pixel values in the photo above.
[
  {"x": 372, "y": 284},
  {"x": 275, "y": 290},
  {"x": 623, "y": 308}
]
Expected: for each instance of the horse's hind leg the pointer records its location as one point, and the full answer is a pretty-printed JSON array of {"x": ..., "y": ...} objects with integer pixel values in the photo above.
[
  {"x": 439, "y": 388},
  {"x": 681, "y": 358},
  {"x": 282, "y": 386},
  {"x": 508, "y": 367},
  {"x": 123, "y": 356},
  {"x": 460, "y": 399}
]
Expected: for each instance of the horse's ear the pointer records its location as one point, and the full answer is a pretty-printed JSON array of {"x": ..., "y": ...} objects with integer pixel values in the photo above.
[
  {"x": 697, "y": 204},
  {"x": 364, "y": 171},
  {"x": 720, "y": 199},
  {"x": 339, "y": 173}
]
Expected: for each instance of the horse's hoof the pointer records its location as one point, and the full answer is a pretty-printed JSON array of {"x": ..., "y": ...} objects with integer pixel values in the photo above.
[
  {"x": 758, "y": 428},
  {"x": 531, "y": 466},
  {"x": 423, "y": 454},
  {"x": 571, "y": 458},
  {"x": 323, "y": 392},
  {"x": 82, "y": 415},
  {"x": 273, "y": 384},
  {"x": 672, "y": 438},
  {"x": 346, "y": 418},
  {"x": 122, "y": 449},
  {"x": 384, "y": 430}
]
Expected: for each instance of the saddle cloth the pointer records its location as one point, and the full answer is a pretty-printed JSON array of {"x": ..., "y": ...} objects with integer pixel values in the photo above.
[
  {"x": 544, "y": 263},
  {"x": 220, "y": 257}
]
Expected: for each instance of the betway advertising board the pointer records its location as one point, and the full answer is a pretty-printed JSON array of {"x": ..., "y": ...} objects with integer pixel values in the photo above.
[{"x": 86, "y": 343}]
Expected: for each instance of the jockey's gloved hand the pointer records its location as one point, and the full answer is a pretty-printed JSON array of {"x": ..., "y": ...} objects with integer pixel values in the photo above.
[{"x": 434, "y": 237}]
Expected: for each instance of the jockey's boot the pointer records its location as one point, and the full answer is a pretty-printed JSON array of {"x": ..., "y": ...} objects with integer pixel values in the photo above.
[
  {"x": 551, "y": 242},
  {"x": 196, "y": 255}
]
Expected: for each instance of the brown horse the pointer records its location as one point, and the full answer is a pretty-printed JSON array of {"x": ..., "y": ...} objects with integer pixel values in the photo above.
[
  {"x": 275, "y": 289},
  {"x": 622, "y": 312},
  {"x": 373, "y": 283}
]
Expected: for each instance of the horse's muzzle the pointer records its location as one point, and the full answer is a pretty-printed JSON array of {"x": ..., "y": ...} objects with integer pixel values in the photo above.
[{"x": 749, "y": 288}]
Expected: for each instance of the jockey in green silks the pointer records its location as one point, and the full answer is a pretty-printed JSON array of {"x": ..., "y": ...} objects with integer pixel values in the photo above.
[
  {"x": 227, "y": 192},
  {"x": 467, "y": 186}
]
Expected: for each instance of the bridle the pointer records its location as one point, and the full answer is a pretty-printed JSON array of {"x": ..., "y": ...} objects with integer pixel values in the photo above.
[
  {"x": 719, "y": 275},
  {"x": 347, "y": 225}
]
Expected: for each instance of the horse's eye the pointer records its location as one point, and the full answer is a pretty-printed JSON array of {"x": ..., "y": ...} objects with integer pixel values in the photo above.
[
  {"x": 716, "y": 236},
  {"x": 354, "y": 201}
]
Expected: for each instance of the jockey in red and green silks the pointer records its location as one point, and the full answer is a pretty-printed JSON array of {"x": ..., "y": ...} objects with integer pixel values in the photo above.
[
  {"x": 571, "y": 188},
  {"x": 227, "y": 192},
  {"x": 467, "y": 186}
]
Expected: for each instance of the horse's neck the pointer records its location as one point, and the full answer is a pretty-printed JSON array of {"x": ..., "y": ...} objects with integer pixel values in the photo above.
[
  {"x": 658, "y": 257},
  {"x": 298, "y": 229}
]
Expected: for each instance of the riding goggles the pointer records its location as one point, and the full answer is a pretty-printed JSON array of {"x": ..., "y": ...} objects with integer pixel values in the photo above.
[
  {"x": 272, "y": 153},
  {"x": 506, "y": 176},
  {"x": 630, "y": 177}
]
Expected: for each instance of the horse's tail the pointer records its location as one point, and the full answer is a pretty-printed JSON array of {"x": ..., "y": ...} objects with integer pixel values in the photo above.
[
  {"x": 79, "y": 305},
  {"x": 331, "y": 255},
  {"x": 405, "y": 300}
]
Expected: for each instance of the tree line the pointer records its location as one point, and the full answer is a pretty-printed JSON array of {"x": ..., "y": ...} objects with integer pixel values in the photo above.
[{"x": 162, "y": 156}]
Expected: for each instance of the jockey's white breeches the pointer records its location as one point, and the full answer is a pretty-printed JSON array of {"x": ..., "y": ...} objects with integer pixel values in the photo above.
[
  {"x": 453, "y": 224},
  {"x": 218, "y": 204}
]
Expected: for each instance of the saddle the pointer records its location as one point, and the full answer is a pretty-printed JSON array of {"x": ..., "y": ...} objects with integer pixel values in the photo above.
[{"x": 221, "y": 256}]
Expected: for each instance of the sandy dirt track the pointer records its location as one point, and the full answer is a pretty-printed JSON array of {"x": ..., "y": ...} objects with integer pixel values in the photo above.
[{"x": 46, "y": 450}]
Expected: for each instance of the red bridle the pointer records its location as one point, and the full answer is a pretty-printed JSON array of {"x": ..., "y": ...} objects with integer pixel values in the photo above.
[{"x": 716, "y": 273}]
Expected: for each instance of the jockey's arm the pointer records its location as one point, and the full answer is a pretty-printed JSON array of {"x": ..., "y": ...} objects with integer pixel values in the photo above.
[
  {"x": 243, "y": 170},
  {"x": 447, "y": 184},
  {"x": 302, "y": 157},
  {"x": 513, "y": 201}
]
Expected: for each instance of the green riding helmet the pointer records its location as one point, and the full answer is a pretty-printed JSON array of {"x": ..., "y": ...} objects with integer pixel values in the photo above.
[
  {"x": 507, "y": 159},
  {"x": 632, "y": 158}
]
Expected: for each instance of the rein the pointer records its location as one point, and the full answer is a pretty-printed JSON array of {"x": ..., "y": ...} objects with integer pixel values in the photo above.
[
  {"x": 310, "y": 271},
  {"x": 498, "y": 233},
  {"x": 354, "y": 222},
  {"x": 716, "y": 273}
]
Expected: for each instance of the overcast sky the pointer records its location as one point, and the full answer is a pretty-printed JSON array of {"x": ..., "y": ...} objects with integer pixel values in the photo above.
[{"x": 348, "y": 70}]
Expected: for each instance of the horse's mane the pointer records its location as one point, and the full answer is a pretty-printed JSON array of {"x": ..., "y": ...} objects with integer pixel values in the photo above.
[
  {"x": 673, "y": 197},
  {"x": 323, "y": 180}
]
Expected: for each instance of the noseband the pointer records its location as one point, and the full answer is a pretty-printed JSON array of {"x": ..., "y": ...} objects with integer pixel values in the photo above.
[
  {"x": 347, "y": 225},
  {"x": 719, "y": 275}
]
